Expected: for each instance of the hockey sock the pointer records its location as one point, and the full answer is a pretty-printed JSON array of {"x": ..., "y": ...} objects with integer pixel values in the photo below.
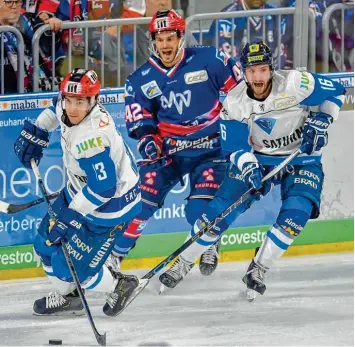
[
  {"x": 103, "y": 281},
  {"x": 61, "y": 286},
  {"x": 192, "y": 253},
  {"x": 128, "y": 239},
  {"x": 280, "y": 236}
]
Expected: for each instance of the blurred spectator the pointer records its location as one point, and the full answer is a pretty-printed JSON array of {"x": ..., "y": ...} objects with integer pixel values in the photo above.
[
  {"x": 319, "y": 7},
  {"x": 30, "y": 6},
  {"x": 157, "y": 5},
  {"x": 238, "y": 26},
  {"x": 53, "y": 12},
  {"x": 11, "y": 14}
]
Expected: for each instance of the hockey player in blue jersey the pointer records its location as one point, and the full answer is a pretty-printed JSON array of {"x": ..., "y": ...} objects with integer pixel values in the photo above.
[
  {"x": 171, "y": 101},
  {"x": 101, "y": 196},
  {"x": 275, "y": 106}
]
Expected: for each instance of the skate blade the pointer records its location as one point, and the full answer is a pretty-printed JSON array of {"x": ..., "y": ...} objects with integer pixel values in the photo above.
[
  {"x": 251, "y": 294},
  {"x": 162, "y": 288},
  {"x": 142, "y": 284},
  {"x": 61, "y": 314}
]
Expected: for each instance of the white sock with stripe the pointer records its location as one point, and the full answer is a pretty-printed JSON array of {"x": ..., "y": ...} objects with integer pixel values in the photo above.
[
  {"x": 273, "y": 247},
  {"x": 192, "y": 253},
  {"x": 103, "y": 281}
]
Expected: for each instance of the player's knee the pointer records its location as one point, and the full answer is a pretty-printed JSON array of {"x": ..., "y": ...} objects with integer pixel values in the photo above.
[
  {"x": 295, "y": 213},
  {"x": 194, "y": 209},
  {"x": 44, "y": 252}
]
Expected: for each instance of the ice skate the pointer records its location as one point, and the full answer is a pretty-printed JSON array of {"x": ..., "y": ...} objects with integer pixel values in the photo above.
[
  {"x": 55, "y": 304},
  {"x": 254, "y": 280},
  {"x": 209, "y": 259},
  {"x": 123, "y": 294},
  {"x": 173, "y": 276}
]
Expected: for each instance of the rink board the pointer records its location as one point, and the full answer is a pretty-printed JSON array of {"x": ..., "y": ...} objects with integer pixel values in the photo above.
[{"x": 166, "y": 230}]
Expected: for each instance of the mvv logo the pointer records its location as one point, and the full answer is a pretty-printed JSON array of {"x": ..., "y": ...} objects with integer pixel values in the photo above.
[{"x": 178, "y": 99}]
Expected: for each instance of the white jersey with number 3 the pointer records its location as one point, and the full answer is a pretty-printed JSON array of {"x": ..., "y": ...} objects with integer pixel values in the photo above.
[{"x": 93, "y": 152}]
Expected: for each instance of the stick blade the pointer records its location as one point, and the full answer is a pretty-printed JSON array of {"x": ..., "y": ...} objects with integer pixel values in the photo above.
[
  {"x": 4, "y": 207},
  {"x": 101, "y": 339},
  {"x": 142, "y": 284}
]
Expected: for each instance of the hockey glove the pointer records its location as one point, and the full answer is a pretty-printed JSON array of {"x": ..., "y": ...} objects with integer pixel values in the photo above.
[
  {"x": 30, "y": 144},
  {"x": 252, "y": 175},
  {"x": 315, "y": 132},
  {"x": 67, "y": 224},
  {"x": 150, "y": 147}
]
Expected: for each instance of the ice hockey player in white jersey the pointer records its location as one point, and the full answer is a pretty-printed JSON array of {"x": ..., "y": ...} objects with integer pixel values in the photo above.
[
  {"x": 274, "y": 106},
  {"x": 101, "y": 197}
]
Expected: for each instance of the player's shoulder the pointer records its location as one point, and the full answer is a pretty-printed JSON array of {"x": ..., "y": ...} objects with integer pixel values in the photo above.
[
  {"x": 293, "y": 82},
  {"x": 207, "y": 54},
  {"x": 99, "y": 123},
  {"x": 201, "y": 50},
  {"x": 235, "y": 100},
  {"x": 143, "y": 72}
]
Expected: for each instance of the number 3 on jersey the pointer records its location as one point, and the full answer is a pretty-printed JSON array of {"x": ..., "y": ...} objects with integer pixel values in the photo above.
[
  {"x": 100, "y": 171},
  {"x": 133, "y": 113}
]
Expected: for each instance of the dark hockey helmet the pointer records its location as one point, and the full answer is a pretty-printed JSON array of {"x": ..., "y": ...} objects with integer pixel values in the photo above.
[{"x": 256, "y": 53}]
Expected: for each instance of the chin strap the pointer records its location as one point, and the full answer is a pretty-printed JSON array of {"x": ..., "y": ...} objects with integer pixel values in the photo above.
[{"x": 154, "y": 51}]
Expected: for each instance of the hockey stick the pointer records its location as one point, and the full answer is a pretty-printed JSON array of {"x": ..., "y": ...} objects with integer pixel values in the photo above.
[
  {"x": 101, "y": 339},
  {"x": 13, "y": 208},
  {"x": 188, "y": 145},
  {"x": 214, "y": 222}
]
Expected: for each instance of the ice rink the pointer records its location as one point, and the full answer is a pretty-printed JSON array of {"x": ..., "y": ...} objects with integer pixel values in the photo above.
[{"x": 309, "y": 301}]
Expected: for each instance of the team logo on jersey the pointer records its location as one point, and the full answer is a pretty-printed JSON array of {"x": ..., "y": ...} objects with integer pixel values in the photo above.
[
  {"x": 89, "y": 143},
  {"x": 151, "y": 90},
  {"x": 178, "y": 100},
  {"x": 266, "y": 124},
  {"x": 208, "y": 175},
  {"x": 145, "y": 72},
  {"x": 196, "y": 77},
  {"x": 283, "y": 103},
  {"x": 150, "y": 178},
  {"x": 304, "y": 81}
]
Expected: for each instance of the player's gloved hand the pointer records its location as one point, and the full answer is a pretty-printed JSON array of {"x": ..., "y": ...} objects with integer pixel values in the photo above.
[
  {"x": 150, "y": 147},
  {"x": 30, "y": 144},
  {"x": 315, "y": 132},
  {"x": 252, "y": 175},
  {"x": 66, "y": 225}
]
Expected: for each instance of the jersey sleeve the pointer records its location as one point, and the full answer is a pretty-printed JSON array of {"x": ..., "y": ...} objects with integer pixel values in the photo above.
[
  {"x": 139, "y": 112},
  {"x": 328, "y": 94},
  {"x": 93, "y": 155},
  {"x": 47, "y": 119},
  {"x": 233, "y": 127},
  {"x": 223, "y": 70}
]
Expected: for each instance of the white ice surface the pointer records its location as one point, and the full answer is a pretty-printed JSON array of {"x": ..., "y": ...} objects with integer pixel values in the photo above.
[{"x": 309, "y": 301}]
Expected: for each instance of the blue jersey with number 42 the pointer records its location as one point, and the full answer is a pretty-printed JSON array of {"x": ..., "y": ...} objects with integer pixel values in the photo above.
[{"x": 181, "y": 102}]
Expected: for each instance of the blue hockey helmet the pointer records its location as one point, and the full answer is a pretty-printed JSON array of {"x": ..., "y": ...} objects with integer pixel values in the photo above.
[{"x": 256, "y": 53}]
